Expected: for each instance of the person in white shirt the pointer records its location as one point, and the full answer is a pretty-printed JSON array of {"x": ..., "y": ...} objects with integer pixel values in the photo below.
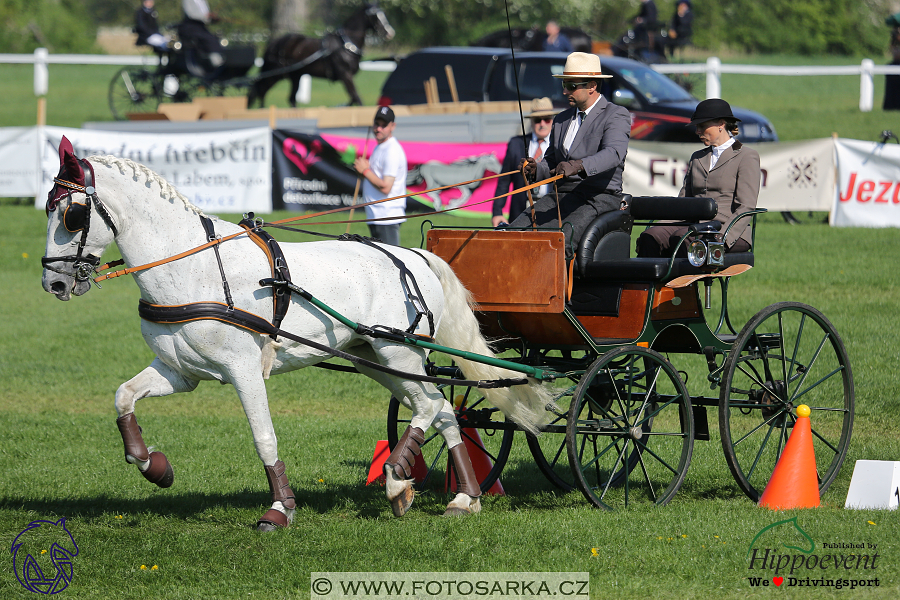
[
  {"x": 192, "y": 30},
  {"x": 384, "y": 176}
]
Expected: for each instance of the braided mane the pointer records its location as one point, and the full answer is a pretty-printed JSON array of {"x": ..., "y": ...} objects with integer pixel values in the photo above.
[{"x": 167, "y": 190}]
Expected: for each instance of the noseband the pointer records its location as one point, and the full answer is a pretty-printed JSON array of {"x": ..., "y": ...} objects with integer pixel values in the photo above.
[{"x": 77, "y": 218}]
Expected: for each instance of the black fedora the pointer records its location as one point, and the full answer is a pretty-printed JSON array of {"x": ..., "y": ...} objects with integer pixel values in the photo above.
[{"x": 710, "y": 110}]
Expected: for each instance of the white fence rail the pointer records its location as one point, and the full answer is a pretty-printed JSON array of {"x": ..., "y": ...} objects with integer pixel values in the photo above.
[{"x": 713, "y": 68}]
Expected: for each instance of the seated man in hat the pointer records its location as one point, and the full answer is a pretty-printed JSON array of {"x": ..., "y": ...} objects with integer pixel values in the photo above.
[
  {"x": 542, "y": 113},
  {"x": 588, "y": 143}
]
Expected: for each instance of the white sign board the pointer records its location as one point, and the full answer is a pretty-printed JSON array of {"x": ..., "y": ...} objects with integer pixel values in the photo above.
[
  {"x": 19, "y": 162},
  {"x": 221, "y": 171},
  {"x": 868, "y": 193}
]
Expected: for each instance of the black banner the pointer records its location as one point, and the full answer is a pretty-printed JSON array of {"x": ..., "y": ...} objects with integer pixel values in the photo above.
[{"x": 309, "y": 174}]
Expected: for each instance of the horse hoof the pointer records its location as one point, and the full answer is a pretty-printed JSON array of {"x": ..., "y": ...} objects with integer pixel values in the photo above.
[
  {"x": 462, "y": 506},
  {"x": 455, "y": 511},
  {"x": 401, "y": 503},
  {"x": 160, "y": 470},
  {"x": 272, "y": 520}
]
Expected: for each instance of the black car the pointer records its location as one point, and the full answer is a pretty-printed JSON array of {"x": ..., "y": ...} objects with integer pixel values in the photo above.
[{"x": 660, "y": 108}]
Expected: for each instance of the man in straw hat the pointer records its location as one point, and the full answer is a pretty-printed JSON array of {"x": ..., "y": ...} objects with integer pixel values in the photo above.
[
  {"x": 588, "y": 143},
  {"x": 542, "y": 113}
]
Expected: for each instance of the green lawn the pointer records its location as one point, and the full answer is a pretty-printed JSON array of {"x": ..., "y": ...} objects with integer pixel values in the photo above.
[{"x": 61, "y": 456}]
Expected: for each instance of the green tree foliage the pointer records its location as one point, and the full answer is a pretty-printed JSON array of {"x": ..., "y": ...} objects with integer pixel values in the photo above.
[{"x": 59, "y": 25}]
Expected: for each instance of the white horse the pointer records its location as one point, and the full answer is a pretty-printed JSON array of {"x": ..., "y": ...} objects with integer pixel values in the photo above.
[{"x": 104, "y": 199}]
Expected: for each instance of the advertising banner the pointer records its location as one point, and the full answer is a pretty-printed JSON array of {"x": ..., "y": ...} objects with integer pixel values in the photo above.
[
  {"x": 19, "y": 162},
  {"x": 795, "y": 176},
  {"x": 868, "y": 193},
  {"x": 221, "y": 171},
  {"x": 314, "y": 172}
]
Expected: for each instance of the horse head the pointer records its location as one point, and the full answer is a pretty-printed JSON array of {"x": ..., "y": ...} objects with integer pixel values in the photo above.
[
  {"x": 75, "y": 241},
  {"x": 378, "y": 22}
]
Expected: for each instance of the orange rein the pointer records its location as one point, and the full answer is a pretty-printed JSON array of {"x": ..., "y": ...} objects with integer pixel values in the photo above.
[{"x": 210, "y": 244}]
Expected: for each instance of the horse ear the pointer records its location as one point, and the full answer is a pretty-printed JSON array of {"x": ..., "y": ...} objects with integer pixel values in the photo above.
[{"x": 69, "y": 162}]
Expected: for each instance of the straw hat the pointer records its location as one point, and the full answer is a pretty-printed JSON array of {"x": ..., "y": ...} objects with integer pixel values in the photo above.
[
  {"x": 543, "y": 107},
  {"x": 580, "y": 65}
]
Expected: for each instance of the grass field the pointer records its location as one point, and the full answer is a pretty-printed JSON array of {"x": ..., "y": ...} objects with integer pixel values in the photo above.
[
  {"x": 61, "y": 456},
  {"x": 800, "y": 107}
]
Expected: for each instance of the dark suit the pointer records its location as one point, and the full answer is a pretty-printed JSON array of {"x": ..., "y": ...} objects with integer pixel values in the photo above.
[
  {"x": 515, "y": 152},
  {"x": 733, "y": 183},
  {"x": 601, "y": 144}
]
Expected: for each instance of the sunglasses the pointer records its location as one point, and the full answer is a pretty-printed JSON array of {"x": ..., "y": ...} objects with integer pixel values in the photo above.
[
  {"x": 537, "y": 120},
  {"x": 573, "y": 85}
]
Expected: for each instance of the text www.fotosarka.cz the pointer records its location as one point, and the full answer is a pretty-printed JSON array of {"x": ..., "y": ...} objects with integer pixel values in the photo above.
[{"x": 459, "y": 585}]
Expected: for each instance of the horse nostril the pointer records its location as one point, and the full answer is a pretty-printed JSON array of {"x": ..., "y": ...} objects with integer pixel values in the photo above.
[{"x": 57, "y": 288}]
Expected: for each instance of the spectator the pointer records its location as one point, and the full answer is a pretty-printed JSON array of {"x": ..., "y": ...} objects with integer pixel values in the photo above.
[
  {"x": 644, "y": 24},
  {"x": 384, "y": 177},
  {"x": 588, "y": 143},
  {"x": 681, "y": 29},
  {"x": 892, "y": 82},
  {"x": 725, "y": 171},
  {"x": 542, "y": 113},
  {"x": 556, "y": 41},
  {"x": 146, "y": 27},
  {"x": 193, "y": 33}
]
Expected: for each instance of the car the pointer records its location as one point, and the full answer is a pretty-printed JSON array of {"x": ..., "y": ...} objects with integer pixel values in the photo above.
[{"x": 660, "y": 108}]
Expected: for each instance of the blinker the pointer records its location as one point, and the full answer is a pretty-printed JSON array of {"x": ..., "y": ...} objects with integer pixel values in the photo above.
[{"x": 75, "y": 217}]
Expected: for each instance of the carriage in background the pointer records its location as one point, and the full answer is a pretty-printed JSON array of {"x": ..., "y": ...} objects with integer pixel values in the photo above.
[{"x": 601, "y": 326}]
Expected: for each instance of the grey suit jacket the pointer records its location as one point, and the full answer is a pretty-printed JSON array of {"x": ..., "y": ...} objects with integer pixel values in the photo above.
[
  {"x": 601, "y": 144},
  {"x": 733, "y": 184}
]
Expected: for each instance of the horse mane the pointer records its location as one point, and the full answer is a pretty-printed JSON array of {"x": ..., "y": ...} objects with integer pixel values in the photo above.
[{"x": 167, "y": 190}]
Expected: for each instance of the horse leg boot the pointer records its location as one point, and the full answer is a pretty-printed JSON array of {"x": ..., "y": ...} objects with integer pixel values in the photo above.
[
  {"x": 467, "y": 501},
  {"x": 398, "y": 470},
  {"x": 281, "y": 493},
  {"x": 154, "y": 466}
]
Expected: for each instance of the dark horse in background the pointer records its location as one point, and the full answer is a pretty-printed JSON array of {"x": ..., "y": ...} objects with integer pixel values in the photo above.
[
  {"x": 533, "y": 39},
  {"x": 335, "y": 56}
]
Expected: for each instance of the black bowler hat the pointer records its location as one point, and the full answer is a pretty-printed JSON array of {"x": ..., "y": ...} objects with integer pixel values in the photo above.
[
  {"x": 710, "y": 110},
  {"x": 385, "y": 114}
]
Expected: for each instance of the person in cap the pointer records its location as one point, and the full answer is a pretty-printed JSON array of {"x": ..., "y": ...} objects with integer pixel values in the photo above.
[
  {"x": 384, "y": 176},
  {"x": 542, "y": 113},
  {"x": 726, "y": 171},
  {"x": 588, "y": 143}
]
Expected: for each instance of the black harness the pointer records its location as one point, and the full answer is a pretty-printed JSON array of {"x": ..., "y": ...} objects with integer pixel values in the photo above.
[{"x": 77, "y": 218}]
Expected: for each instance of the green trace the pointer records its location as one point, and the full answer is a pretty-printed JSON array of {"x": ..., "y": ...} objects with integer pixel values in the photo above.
[{"x": 61, "y": 454}]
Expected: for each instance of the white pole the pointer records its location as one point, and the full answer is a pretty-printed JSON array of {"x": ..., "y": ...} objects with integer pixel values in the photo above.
[
  {"x": 41, "y": 74},
  {"x": 713, "y": 77},
  {"x": 304, "y": 91},
  {"x": 866, "y": 86}
]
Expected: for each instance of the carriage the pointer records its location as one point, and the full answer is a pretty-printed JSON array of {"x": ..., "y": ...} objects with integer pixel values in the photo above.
[
  {"x": 583, "y": 336},
  {"x": 601, "y": 326},
  {"x": 181, "y": 75}
]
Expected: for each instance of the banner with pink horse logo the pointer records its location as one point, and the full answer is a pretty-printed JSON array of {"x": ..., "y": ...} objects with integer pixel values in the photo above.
[{"x": 314, "y": 172}]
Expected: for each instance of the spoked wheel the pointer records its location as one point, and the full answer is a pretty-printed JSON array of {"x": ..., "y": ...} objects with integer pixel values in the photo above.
[
  {"x": 630, "y": 433},
  {"x": 787, "y": 355},
  {"x": 134, "y": 90},
  {"x": 488, "y": 435}
]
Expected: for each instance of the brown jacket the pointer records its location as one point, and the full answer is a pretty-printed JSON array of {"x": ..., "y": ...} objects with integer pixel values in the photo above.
[{"x": 733, "y": 184}]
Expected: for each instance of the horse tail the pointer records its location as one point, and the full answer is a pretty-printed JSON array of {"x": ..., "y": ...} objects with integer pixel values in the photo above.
[{"x": 527, "y": 404}]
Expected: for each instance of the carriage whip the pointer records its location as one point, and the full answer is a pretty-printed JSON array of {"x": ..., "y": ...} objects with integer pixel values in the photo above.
[{"x": 358, "y": 181}]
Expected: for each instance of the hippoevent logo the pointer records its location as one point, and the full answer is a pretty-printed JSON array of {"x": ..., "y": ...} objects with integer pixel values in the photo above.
[
  {"x": 42, "y": 556},
  {"x": 797, "y": 561}
]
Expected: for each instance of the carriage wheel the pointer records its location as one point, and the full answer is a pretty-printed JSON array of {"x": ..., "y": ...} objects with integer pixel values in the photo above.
[
  {"x": 786, "y": 355},
  {"x": 484, "y": 428},
  {"x": 630, "y": 433},
  {"x": 134, "y": 90}
]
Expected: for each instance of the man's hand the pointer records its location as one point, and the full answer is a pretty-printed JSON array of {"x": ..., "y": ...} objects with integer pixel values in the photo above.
[
  {"x": 567, "y": 168},
  {"x": 497, "y": 219},
  {"x": 528, "y": 166},
  {"x": 361, "y": 164}
]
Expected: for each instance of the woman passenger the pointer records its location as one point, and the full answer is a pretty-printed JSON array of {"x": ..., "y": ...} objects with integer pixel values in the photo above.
[{"x": 726, "y": 171}]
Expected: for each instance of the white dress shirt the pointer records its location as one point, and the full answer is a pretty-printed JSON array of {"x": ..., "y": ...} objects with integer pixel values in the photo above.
[{"x": 717, "y": 152}]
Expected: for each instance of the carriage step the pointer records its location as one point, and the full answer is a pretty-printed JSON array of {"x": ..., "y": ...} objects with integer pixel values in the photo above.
[{"x": 701, "y": 423}]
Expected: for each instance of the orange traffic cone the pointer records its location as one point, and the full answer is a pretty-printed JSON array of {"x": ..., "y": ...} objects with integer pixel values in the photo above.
[
  {"x": 794, "y": 482},
  {"x": 382, "y": 451},
  {"x": 481, "y": 463}
]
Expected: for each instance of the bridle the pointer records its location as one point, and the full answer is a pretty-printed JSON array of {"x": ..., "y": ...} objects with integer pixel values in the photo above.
[{"x": 77, "y": 217}]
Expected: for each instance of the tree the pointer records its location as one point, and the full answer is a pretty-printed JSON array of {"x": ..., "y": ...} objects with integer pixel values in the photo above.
[{"x": 289, "y": 16}]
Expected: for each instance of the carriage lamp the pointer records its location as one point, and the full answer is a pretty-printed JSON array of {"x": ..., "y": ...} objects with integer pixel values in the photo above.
[{"x": 697, "y": 253}]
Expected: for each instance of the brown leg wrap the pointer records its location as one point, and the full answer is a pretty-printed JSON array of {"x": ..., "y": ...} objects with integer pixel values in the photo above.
[
  {"x": 275, "y": 517},
  {"x": 405, "y": 452},
  {"x": 160, "y": 470},
  {"x": 279, "y": 486},
  {"x": 465, "y": 474},
  {"x": 131, "y": 436}
]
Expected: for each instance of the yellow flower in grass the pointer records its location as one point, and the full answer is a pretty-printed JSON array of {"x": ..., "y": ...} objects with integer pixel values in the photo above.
[
  {"x": 143, "y": 567},
  {"x": 154, "y": 568},
  {"x": 25, "y": 255},
  {"x": 684, "y": 536},
  {"x": 43, "y": 552},
  {"x": 871, "y": 522},
  {"x": 595, "y": 552}
]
